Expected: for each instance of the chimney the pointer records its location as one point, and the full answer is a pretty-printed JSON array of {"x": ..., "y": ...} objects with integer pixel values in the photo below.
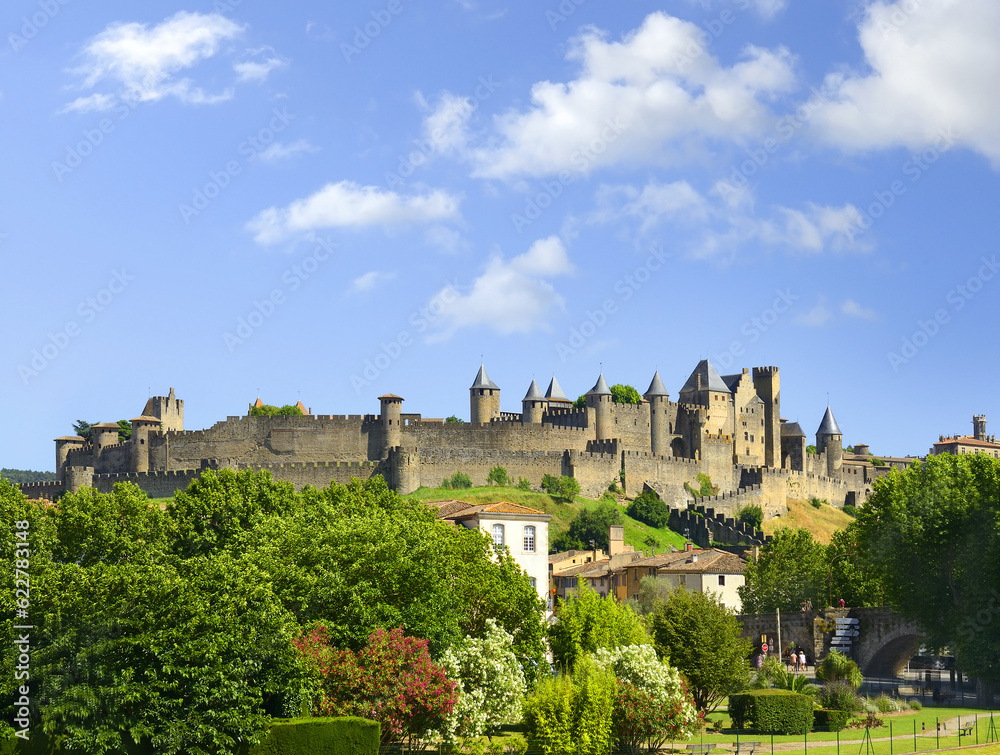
[
  {"x": 689, "y": 546},
  {"x": 694, "y": 558}
]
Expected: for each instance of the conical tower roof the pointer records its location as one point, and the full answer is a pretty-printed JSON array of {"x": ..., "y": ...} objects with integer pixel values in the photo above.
[
  {"x": 710, "y": 379},
  {"x": 600, "y": 387},
  {"x": 483, "y": 380},
  {"x": 656, "y": 387},
  {"x": 829, "y": 425},
  {"x": 534, "y": 393},
  {"x": 555, "y": 391}
]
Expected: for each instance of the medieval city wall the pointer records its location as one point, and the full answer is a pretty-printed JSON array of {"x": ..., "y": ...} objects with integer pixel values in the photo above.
[
  {"x": 155, "y": 484},
  {"x": 48, "y": 491},
  {"x": 496, "y": 435},
  {"x": 439, "y": 463},
  {"x": 320, "y": 474}
]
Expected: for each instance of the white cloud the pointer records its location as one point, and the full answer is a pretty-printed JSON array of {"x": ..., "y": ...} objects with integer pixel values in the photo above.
[
  {"x": 278, "y": 151},
  {"x": 933, "y": 73},
  {"x": 655, "y": 95},
  {"x": 259, "y": 65},
  {"x": 511, "y": 296},
  {"x": 650, "y": 205},
  {"x": 347, "y": 205},
  {"x": 446, "y": 239},
  {"x": 766, "y": 8},
  {"x": 851, "y": 308},
  {"x": 816, "y": 317},
  {"x": 99, "y": 102},
  {"x": 446, "y": 128},
  {"x": 368, "y": 281},
  {"x": 142, "y": 62}
]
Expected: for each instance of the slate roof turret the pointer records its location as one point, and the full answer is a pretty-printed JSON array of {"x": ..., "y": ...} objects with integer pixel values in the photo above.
[
  {"x": 656, "y": 387},
  {"x": 600, "y": 388},
  {"x": 534, "y": 393},
  {"x": 829, "y": 425},
  {"x": 483, "y": 380}
]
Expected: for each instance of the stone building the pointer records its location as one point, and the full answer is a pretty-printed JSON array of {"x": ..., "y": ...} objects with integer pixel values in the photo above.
[{"x": 977, "y": 443}]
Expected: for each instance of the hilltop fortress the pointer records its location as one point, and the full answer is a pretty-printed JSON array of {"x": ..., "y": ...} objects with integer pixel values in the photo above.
[{"x": 726, "y": 427}]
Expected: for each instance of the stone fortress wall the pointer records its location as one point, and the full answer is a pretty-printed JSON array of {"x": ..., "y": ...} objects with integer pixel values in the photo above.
[{"x": 727, "y": 428}]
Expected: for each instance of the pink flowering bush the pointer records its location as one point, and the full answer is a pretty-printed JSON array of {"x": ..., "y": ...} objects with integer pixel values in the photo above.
[{"x": 392, "y": 680}]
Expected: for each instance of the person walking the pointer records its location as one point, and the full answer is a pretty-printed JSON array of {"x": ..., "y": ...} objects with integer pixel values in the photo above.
[{"x": 802, "y": 660}]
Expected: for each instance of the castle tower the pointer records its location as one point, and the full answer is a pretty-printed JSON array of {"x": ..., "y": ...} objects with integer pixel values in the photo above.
[
  {"x": 532, "y": 405},
  {"x": 599, "y": 399},
  {"x": 168, "y": 409},
  {"x": 105, "y": 434},
  {"x": 766, "y": 383},
  {"x": 555, "y": 396},
  {"x": 793, "y": 446},
  {"x": 979, "y": 426},
  {"x": 64, "y": 445},
  {"x": 142, "y": 427},
  {"x": 392, "y": 420},
  {"x": 484, "y": 399},
  {"x": 659, "y": 425},
  {"x": 830, "y": 439},
  {"x": 79, "y": 477},
  {"x": 705, "y": 387}
]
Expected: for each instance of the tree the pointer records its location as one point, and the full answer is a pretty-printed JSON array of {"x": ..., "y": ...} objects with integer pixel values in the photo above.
[
  {"x": 789, "y": 569},
  {"x": 703, "y": 639},
  {"x": 458, "y": 481},
  {"x": 837, "y": 667},
  {"x": 587, "y": 525},
  {"x": 498, "y": 476},
  {"x": 563, "y": 487},
  {"x": 586, "y": 622},
  {"x": 392, "y": 680},
  {"x": 852, "y": 578},
  {"x": 652, "y": 706},
  {"x": 124, "y": 430},
  {"x": 625, "y": 394},
  {"x": 490, "y": 681},
  {"x": 931, "y": 534},
  {"x": 752, "y": 515},
  {"x": 581, "y": 402},
  {"x": 84, "y": 429},
  {"x": 453, "y": 420},
  {"x": 649, "y": 509},
  {"x": 268, "y": 410}
]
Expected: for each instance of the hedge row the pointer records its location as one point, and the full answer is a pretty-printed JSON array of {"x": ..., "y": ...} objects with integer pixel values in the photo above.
[
  {"x": 833, "y": 720},
  {"x": 776, "y": 710},
  {"x": 304, "y": 736}
]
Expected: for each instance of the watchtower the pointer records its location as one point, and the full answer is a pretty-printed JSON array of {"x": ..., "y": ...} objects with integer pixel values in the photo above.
[
  {"x": 64, "y": 445},
  {"x": 767, "y": 385},
  {"x": 104, "y": 435},
  {"x": 142, "y": 427},
  {"x": 484, "y": 399},
  {"x": 168, "y": 409},
  {"x": 599, "y": 399},
  {"x": 392, "y": 420},
  {"x": 979, "y": 426},
  {"x": 659, "y": 424},
  {"x": 533, "y": 405},
  {"x": 830, "y": 440}
]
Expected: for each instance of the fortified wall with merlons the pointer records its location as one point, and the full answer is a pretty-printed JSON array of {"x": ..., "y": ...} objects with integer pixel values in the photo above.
[{"x": 725, "y": 427}]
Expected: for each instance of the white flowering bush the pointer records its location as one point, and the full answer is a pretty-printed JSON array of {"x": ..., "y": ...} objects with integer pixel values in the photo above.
[
  {"x": 491, "y": 684},
  {"x": 653, "y": 705}
]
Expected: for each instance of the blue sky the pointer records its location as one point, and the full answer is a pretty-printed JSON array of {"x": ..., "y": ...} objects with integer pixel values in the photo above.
[{"x": 328, "y": 202}]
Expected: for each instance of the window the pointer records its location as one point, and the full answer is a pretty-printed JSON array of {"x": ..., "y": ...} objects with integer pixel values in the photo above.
[
  {"x": 684, "y": 579},
  {"x": 498, "y": 535},
  {"x": 722, "y": 580},
  {"x": 534, "y": 582},
  {"x": 529, "y": 538}
]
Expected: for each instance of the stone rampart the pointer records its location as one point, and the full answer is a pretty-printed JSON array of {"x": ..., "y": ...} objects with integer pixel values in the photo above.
[
  {"x": 594, "y": 471},
  {"x": 438, "y": 463},
  {"x": 48, "y": 491},
  {"x": 496, "y": 435},
  {"x": 320, "y": 474},
  {"x": 155, "y": 484},
  {"x": 114, "y": 459},
  {"x": 666, "y": 475}
]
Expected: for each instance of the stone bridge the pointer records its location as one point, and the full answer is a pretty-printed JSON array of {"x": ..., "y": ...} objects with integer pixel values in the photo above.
[{"x": 885, "y": 644}]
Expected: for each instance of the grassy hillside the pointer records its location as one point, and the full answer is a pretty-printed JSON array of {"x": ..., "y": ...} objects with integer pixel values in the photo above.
[
  {"x": 637, "y": 534},
  {"x": 822, "y": 522}
]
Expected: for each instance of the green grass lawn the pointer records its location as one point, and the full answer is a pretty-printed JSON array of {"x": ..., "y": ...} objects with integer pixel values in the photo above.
[{"x": 636, "y": 533}]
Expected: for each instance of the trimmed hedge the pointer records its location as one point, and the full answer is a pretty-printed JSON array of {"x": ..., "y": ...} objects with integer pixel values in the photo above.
[
  {"x": 300, "y": 736},
  {"x": 834, "y": 720},
  {"x": 776, "y": 710}
]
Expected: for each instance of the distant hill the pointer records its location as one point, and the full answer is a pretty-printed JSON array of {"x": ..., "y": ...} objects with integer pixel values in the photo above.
[{"x": 27, "y": 475}]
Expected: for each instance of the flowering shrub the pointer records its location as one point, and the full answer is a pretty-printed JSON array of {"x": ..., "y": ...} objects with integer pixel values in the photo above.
[
  {"x": 392, "y": 680},
  {"x": 490, "y": 681},
  {"x": 652, "y": 705}
]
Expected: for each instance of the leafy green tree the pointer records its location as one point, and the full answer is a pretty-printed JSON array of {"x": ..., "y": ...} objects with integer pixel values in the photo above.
[
  {"x": 752, "y": 515},
  {"x": 649, "y": 509},
  {"x": 523, "y": 483},
  {"x": 703, "y": 639},
  {"x": 811, "y": 449},
  {"x": 625, "y": 394},
  {"x": 853, "y": 579},
  {"x": 581, "y": 402},
  {"x": 124, "y": 430},
  {"x": 453, "y": 420},
  {"x": 491, "y": 684},
  {"x": 837, "y": 667},
  {"x": 459, "y": 481},
  {"x": 268, "y": 410},
  {"x": 26, "y": 475},
  {"x": 589, "y": 524},
  {"x": 586, "y": 622},
  {"x": 498, "y": 476},
  {"x": 931, "y": 533},
  {"x": 84, "y": 429},
  {"x": 789, "y": 569}
]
